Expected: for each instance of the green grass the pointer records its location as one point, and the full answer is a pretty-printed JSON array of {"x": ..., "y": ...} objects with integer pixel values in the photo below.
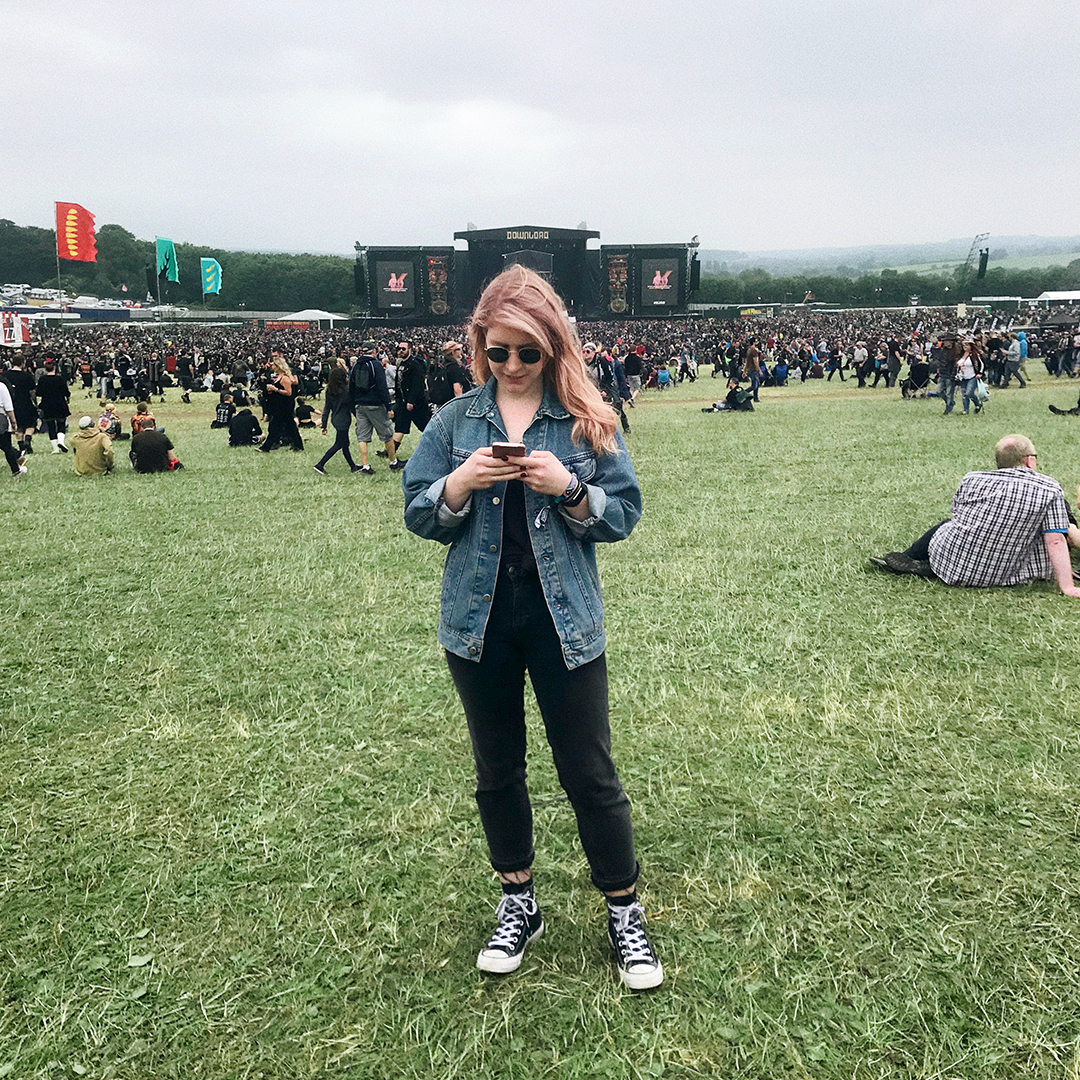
[{"x": 239, "y": 839}]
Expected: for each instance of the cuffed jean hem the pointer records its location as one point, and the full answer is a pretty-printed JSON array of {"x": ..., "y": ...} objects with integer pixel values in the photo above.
[{"x": 513, "y": 867}]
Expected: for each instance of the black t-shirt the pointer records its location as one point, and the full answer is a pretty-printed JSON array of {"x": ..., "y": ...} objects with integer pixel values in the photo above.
[
  {"x": 52, "y": 392},
  {"x": 22, "y": 387},
  {"x": 632, "y": 364},
  {"x": 517, "y": 547},
  {"x": 150, "y": 451}
]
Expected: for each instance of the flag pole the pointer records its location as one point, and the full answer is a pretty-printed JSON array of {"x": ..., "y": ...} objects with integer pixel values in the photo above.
[{"x": 59, "y": 287}]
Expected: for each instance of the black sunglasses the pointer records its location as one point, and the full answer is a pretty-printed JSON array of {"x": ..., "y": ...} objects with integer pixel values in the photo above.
[{"x": 498, "y": 355}]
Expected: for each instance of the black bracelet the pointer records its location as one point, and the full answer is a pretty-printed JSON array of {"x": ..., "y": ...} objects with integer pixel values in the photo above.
[{"x": 579, "y": 494}]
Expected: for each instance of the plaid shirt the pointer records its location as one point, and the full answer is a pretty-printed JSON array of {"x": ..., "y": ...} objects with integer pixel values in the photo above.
[{"x": 995, "y": 536}]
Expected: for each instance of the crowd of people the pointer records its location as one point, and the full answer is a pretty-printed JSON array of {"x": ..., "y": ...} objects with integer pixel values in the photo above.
[{"x": 262, "y": 382}]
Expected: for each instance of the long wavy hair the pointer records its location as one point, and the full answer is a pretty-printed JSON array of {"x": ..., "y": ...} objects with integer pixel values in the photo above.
[{"x": 523, "y": 300}]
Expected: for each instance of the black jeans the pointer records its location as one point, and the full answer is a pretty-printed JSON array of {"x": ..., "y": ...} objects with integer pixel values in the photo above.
[
  {"x": 341, "y": 442},
  {"x": 921, "y": 548},
  {"x": 10, "y": 452},
  {"x": 520, "y": 635}
]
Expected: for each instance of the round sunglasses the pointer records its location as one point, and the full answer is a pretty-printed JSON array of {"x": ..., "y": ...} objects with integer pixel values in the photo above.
[{"x": 499, "y": 355}]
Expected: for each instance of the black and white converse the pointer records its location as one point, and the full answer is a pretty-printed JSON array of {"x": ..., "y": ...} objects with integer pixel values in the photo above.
[
  {"x": 520, "y": 922},
  {"x": 639, "y": 967}
]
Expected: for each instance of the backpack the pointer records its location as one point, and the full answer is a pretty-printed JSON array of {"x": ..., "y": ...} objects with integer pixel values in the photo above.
[
  {"x": 438, "y": 382},
  {"x": 363, "y": 375}
]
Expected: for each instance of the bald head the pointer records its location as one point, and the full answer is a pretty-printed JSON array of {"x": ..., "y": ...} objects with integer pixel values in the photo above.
[{"x": 1013, "y": 450}]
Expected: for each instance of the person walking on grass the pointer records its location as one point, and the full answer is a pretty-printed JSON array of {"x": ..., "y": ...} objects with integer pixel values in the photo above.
[
  {"x": 520, "y": 593},
  {"x": 370, "y": 397},
  {"x": 338, "y": 411},
  {"x": 16, "y": 459},
  {"x": 53, "y": 397},
  {"x": 281, "y": 389}
]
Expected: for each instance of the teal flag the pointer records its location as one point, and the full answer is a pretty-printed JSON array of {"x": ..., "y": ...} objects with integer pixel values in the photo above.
[
  {"x": 166, "y": 260},
  {"x": 211, "y": 276}
]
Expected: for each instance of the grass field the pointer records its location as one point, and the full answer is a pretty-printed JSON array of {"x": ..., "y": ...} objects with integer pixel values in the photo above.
[
  {"x": 239, "y": 839},
  {"x": 1011, "y": 262}
]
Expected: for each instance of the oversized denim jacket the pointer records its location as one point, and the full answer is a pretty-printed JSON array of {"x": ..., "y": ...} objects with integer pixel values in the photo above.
[{"x": 564, "y": 547}]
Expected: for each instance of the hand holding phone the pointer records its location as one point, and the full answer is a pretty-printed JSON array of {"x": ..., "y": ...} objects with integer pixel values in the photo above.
[{"x": 506, "y": 450}]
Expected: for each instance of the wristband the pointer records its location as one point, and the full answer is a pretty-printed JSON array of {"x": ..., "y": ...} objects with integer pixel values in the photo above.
[
  {"x": 577, "y": 497},
  {"x": 570, "y": 489}
]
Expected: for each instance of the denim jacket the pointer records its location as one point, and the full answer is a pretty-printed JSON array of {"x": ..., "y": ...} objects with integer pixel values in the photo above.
[{"x": 564, "y": 547}]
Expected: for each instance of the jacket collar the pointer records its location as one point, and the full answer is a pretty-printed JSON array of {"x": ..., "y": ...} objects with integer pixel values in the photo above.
[{"x": 484, "y": 402}]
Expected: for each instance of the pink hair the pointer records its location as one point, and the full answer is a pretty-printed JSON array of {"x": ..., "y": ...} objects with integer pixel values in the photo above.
[{"x": 521, "y": 299}]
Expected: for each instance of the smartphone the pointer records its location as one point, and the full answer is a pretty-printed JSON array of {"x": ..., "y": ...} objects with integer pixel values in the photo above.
[{"x": 507, "y": 450}]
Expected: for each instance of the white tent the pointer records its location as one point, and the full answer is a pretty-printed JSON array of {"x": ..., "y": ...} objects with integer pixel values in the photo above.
[
  {"x": 1058, "y": 297},
  {"x": 313, "y": 315}
]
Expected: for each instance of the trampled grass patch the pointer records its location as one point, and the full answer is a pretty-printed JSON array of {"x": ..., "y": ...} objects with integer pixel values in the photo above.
[{"x": 239, "y": 837}]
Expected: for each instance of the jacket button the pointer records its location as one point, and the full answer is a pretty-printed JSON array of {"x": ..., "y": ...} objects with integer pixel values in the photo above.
[
  {"x": 487, "y": 598},
  {"x": 472, "y": 650},
  {"x": 495, "y": 501},
  {"x": 493, "y": 548}
]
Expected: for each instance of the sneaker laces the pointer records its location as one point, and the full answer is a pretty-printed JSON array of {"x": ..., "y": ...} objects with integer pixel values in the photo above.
[
  {"x": 630, "y": 929},
  {"x": 513, "y": 913}
]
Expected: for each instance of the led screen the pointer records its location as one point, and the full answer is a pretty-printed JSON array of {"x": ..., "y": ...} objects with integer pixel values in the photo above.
[
  {"x": 395, "y": 283},
  {"x": 659, "y": 283}
]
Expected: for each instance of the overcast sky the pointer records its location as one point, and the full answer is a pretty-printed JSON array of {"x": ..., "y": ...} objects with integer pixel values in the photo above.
[{"x": 772, "y": 124}]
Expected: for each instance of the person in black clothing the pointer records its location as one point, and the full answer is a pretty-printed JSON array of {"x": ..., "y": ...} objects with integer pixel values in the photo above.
[
  {"x": 632, "y": 364},
  {"x": 280, "y": 391},
  {"x": 446, "y": 379},
  {"x": 152, "y": 451},
  {"x": 411, "y": 403},
  {"x": 339, "y": 412},
  {"x": 224, "y": 412},
  {"x": 53, "y": 396},
  {"x": 306, "y": 416},
  {"x": 244, "y": 429},
  {"x": 736, "y": 400},
  {"x": 21, "y": 384}
]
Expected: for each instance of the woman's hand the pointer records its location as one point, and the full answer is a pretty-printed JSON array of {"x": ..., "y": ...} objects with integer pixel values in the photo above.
[
  {"x": 545, "y": 473},
  {"x": 479, "y": 471}
]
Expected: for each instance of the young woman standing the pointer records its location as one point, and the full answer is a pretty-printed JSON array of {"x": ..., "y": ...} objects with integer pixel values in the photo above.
[{"x": 520, "y": 592}]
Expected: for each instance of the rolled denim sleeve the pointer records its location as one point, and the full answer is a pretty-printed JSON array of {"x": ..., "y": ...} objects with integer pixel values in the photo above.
[{"x": 614, "y": 500}]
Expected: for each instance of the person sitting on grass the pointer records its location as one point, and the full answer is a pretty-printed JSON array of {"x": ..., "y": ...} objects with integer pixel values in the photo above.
[
  {"x": 143, "y": 419},
  {"x": 224, "y": 411},
  {"x": 151, "y": 452},
  {"x": 306, "y": 416},
  {"x": 92, "y": 448},
  {"x": 1008, "y": 527},
  {"x": 736, "y": 400},
  {"x": 110, "y": 423},
  {"x": 245, "y": 429}
]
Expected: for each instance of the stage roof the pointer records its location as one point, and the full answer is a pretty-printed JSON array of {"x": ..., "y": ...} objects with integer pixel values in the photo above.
[{"x": 526, "y": 232}]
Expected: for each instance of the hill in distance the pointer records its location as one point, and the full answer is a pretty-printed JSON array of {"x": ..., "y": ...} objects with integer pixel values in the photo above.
[{"x": 852, "y": 261}]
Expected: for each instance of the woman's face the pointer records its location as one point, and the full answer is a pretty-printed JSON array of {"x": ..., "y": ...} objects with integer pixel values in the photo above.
[{"x": 513, "y": 376}]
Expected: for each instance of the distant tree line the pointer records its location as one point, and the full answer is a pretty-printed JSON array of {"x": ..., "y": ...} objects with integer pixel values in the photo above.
[
  {"x": 261, "y": 281},
  {"x": 885, "y": 288},
  {"x": 257, "y": 281}
]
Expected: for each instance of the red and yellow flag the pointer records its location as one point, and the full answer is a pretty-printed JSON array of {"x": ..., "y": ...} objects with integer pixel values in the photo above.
[{"x": 75, "y": 233}]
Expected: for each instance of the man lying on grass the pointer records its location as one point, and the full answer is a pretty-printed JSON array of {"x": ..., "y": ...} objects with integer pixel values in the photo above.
[{"x": 1008, "y": 527}]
